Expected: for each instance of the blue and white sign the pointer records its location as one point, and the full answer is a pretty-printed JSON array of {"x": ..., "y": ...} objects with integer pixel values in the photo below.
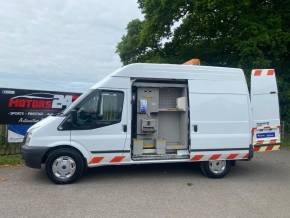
[
  {"x": 16, "y": 132},
  {"x": 265, "y": 135}
]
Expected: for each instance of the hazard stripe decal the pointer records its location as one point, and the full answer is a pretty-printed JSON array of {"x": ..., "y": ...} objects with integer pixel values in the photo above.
[
  {"x": 96, "y": 160},
  {"x": 215, "y": 157},
  {"x": 231, "y": 156},
  {"x": 270, "y": 72},
  {"x": 266, "y": 128},
  {"x": 267, "y": 142},
  {"x": 246, "y": 156},
  {"x": 117, "y": 159},
  {"x": 264, "y": 72},
  {"x": 257, "y": 72},
  {"x": 266, "y": 148},
  {"x": 197, "y": 157},
  {"x": 100, "y": 159}
]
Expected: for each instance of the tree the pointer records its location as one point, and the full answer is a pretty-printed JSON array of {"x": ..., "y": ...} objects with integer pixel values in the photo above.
[{"x": 246, "y": 33}]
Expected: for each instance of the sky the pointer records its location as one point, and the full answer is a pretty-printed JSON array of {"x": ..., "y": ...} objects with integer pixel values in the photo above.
[{"x": 61, "y": 45}]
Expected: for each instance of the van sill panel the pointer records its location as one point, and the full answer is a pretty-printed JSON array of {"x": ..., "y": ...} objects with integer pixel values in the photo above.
[{"x": 160, "y": 157}]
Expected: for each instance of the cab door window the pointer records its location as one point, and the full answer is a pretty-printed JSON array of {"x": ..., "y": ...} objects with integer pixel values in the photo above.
[{"x": 101, "y": 108}]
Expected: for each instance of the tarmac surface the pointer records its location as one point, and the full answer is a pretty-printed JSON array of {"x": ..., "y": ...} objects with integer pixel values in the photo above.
[{"x": 259, "y": 188}]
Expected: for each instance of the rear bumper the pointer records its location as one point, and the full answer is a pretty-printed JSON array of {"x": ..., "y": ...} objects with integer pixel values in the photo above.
[{"x": 33, "y": 155}]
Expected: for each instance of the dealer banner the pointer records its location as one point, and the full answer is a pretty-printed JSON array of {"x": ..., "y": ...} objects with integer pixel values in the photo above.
[
  {"x": 16, "y": 132},
  {"x": 19, "y": 106}
]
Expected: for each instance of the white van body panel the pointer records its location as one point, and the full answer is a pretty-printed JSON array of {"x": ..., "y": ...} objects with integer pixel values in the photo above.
[
  {"x": 265, "y": 108},
  {"x": 174, "y": 71},
  {"x": 218, "y": 125},
  {"x": 264, "y": 98},
  {"x": 113, "y": 82},
  {"x": 220, "y": 110},
  {"x": 45, "y": 133},
  {"x": 234, "y": 86}
]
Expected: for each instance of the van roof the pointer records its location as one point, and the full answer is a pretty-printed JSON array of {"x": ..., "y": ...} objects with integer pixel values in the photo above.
[{"x": 175, "y": 71}]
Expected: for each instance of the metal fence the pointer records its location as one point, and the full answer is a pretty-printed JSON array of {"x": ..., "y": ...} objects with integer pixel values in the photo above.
[
  {"x": 5, "y": 147},
  {"x": 285, "y": 134}
]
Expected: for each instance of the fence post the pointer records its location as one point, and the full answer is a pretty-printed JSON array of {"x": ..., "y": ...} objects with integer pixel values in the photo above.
[
  {"x": 1, "y": 140},
  {"x": 283, "y": 130},
  {"x": 7, "y": 147}
]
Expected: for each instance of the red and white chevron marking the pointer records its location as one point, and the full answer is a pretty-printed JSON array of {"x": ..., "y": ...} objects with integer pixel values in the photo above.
[
  {"x": 230, "y": 156},
  {"x": 197, "y": 157},
  {"x": 264, "y": 72},
  {"x": 106, "y": 160},
  {"x": 267, "y": 142},
  {"x": 266, "y": 148},
  {"x": 266, "y": 127}
]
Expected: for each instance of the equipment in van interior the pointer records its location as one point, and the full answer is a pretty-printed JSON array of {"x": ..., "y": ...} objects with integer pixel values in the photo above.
[{"x": 161, "y": 121}]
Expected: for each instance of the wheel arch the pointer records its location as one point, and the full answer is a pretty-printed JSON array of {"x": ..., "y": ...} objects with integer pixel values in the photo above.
[{"x": 44, "y": 158}]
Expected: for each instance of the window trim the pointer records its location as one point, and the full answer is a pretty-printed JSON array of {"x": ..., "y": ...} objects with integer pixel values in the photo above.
[{"x": 66, "y": 124}]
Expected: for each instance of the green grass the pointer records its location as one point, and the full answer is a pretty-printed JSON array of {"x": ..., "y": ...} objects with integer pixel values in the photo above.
[
  {"x": 286, "y": 142},
  {"x": 15, "y": 159}
]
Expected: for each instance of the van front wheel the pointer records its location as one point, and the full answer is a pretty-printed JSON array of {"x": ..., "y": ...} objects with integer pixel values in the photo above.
[
  {"x": 64, "y": 166},
  {"x": 215, "y": 168}
]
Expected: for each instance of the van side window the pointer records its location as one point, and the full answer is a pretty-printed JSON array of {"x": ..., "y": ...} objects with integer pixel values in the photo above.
[
  {"x": 99, "y": 109},
  {"x": 111, "y": 106}
]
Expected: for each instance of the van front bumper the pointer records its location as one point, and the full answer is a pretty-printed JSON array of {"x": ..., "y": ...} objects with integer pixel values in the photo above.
[{"x": 33, "y": 155}]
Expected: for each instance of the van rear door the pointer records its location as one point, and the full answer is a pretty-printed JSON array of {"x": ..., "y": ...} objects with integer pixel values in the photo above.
[{"x": 265, "y": 110}]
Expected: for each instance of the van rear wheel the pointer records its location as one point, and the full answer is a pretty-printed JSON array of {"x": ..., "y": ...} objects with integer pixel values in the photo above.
[
  {"x": 64, "y": 166},
  {"x": 215, "y": 168}
]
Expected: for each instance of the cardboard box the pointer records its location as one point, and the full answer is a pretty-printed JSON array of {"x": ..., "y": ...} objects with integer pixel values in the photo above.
[
  {"x": 160, "y": 146},
  {"x": 138, "y": 146}
]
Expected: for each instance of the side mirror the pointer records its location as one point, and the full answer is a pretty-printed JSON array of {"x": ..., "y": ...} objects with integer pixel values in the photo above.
[{"x": 74, "y": 116}]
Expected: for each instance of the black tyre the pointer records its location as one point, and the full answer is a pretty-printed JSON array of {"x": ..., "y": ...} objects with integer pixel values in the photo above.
[
  {"x": 216, "y": 168},
  {"x": 64, "y": 166}
]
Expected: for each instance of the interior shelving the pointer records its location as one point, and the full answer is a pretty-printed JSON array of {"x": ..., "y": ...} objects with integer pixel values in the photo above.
[{"x": 162, "y": 107}]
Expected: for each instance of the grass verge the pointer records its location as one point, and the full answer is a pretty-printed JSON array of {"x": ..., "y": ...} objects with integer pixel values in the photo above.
[{"x": 14, "y": 159}]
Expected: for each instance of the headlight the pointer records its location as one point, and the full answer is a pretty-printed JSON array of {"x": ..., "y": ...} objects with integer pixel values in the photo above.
[{"x": 27, "y": 138}]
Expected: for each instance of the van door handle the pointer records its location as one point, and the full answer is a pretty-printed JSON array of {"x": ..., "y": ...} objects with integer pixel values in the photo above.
[
  {"x": 195, "y": 128},
  {"x": 124, "y": 128}
]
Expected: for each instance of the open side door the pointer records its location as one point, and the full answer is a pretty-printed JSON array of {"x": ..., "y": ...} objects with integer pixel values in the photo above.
[{"x": 265, "y": 110}]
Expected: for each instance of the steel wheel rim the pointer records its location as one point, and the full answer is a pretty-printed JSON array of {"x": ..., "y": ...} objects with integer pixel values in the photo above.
[
  {"x": 217, "y": 166},
  {"x": 63, "y": 167}
]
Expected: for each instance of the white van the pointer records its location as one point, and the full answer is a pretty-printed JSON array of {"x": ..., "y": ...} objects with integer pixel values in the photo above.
[{"x": 160, "y": 113}]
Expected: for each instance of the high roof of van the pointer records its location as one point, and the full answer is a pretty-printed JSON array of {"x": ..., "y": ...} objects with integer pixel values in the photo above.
[{"x": 175, "y": 71}]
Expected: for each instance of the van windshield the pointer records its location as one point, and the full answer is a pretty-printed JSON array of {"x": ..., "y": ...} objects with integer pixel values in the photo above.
[{"x": 77, "y": 101}]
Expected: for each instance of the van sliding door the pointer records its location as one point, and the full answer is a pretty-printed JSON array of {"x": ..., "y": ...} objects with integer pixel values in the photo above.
[{"x": 219, "y": 116}]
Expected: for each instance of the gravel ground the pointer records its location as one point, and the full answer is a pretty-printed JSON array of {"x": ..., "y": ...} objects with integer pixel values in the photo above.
[{"x": 259, "y": 188}]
